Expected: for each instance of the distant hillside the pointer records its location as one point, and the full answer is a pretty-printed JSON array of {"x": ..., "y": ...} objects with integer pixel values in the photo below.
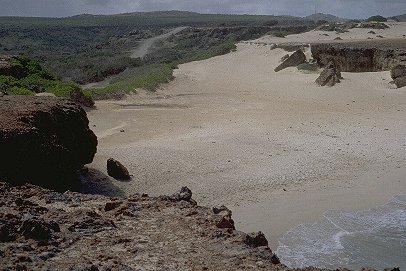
[
  {"x": 326, "y": 17},
  {"x": 157, "y": 18},
  {"x": 401, "y": 18}
]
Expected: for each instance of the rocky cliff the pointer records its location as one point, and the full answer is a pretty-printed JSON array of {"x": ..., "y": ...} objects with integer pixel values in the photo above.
[
  {"x": 364, "y": 56},
  {"x": 44, "y": 140},
  {"x": 44, "y": 230}
]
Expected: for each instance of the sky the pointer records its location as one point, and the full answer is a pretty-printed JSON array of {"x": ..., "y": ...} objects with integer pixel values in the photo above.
[{"x": 341, "y": 8}]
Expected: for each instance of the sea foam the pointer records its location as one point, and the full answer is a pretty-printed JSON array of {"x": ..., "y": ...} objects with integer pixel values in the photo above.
[{"x": 374, "y": 238}]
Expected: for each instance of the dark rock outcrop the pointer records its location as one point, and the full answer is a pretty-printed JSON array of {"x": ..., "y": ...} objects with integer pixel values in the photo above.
[
  {"x": 256, "y": 239},
  {"x": 185, "y": 194},
  {"x": 293, "y": 60},
  {"x": 377, "y": 55},
  {"x": 400, "y": 82},
  {"x": 37, "y": 228},
  {"x": 78, "y": 97},
  {"x": 116, "y": 170},
  {"x": 44, "y": 141},
  {"x": 398, "y": 74},
  {"x": 329, "y": 76},
  {"x": 398, "y": 71}
]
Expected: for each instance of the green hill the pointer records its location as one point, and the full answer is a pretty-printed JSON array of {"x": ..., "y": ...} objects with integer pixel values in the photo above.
[
  {"x": 326, "y": 17},
  {"x": 140, "y": 19}
]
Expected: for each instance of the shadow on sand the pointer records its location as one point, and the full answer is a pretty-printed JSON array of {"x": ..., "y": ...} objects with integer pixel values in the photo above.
[{"x": 96, "y": 182}]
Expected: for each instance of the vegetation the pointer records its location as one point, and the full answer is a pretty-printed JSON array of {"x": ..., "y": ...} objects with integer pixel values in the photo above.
[
  {"x": 27, "y": 77},
  {"x": 280, "y": 34},
  {"x": 88, "y": 48},
  {"x": 377, "y": 18},
  {"x": 146, "y": 77}
]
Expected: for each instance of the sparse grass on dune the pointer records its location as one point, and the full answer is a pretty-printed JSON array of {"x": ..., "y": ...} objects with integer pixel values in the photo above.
[{"x": 146, "y": 77}]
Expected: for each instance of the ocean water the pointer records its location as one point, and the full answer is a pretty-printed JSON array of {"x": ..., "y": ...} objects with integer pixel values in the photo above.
[{"x": 375, "y": 238}]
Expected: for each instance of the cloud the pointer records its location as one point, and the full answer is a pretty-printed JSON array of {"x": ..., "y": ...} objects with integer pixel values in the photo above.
[{"x": 343, "y": 8}]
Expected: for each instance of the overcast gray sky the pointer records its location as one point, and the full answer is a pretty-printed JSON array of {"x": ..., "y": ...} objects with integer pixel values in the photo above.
[{"x": 342, "y": 8}]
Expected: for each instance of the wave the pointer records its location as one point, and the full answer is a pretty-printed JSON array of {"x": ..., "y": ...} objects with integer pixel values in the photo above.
[{"x": 375, "y": 238}]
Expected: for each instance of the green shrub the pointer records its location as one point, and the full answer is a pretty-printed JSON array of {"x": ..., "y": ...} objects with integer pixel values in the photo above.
[
  {"x": 146, "y": 77},
  {"x": 20, "y": 91},
  {"x": 377, "y": 18},
  {"x": 280, "y": 34},
  {"x": 34, "y": 79}
]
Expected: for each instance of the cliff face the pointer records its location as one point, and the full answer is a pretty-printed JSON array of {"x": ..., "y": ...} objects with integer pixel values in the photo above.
[
  {"x": 44, "y": 140},
  {"x": 369, "y": 56}
]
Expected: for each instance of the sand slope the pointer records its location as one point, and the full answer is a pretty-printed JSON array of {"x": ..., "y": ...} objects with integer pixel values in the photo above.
[{"x": 274, "y": 147}]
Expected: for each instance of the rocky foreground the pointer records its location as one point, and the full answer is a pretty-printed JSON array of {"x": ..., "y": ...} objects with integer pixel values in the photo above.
[{"x": 44, "y": 230}]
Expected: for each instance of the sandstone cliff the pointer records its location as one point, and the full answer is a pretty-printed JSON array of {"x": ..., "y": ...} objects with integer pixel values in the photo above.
[{"x": 369, "y": 56}]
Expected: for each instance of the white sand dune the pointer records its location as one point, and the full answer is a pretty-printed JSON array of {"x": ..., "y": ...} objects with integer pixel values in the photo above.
[{"x": 274, "y": 147}]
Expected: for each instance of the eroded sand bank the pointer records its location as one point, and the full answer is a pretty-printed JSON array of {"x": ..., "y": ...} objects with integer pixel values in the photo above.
[{"x": 273, "y": 147}]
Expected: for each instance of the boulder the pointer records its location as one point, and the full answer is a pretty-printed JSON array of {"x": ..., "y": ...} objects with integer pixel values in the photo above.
[
  {"x": 256, "y": 239},
  {"x": 398, "y": 74},
  {"x": 398, "y": 71},
  {"x": 112, "y": 205},
  {"x": 293, "y": 60},
  {"x": 44, "y": 141},
  {"x": 185, "y": 194},
  {"x": 329, "y": 76},
  {"x": 37, "y": 228},
  {"x": 400, "y": 82},
  {"x": 226, "y": 222},
  {"x": 116, "y": 170}
]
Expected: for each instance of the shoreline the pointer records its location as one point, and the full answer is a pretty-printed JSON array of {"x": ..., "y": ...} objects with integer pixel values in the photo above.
[{"x": 238, "y": 134}]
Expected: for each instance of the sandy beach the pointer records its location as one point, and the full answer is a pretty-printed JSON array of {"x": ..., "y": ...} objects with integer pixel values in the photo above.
[{"x": 275, "y": 148}]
